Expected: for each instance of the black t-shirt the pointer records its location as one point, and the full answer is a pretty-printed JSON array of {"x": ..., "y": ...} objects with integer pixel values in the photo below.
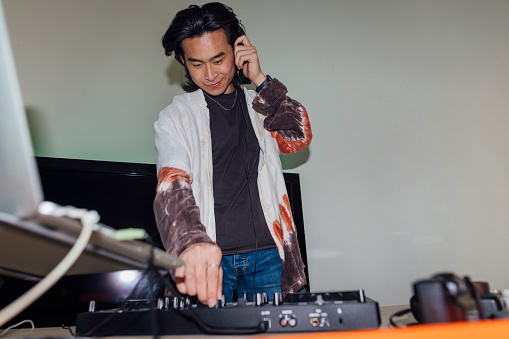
[{"x": 240, "y": 222}]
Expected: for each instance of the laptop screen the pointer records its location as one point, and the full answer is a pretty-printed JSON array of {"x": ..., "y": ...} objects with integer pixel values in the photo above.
[{"x": 20, "y": 188}]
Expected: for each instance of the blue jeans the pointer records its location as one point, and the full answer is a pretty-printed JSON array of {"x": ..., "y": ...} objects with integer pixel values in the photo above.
[{"x": 238, "y": 272}]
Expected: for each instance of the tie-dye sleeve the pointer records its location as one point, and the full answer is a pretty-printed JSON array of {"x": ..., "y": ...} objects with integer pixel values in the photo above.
[
  {"x": 176, "y": 212},
  {"x": 177, "y": 215},
  {"x": 286, "y": 119}
]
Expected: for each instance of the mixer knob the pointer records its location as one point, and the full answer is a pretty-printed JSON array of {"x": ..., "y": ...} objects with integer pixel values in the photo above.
[
  {"x": 278, "y": 298},
  {"x": 91, "y": 306},
  {"x": 160, "y": 303},
  {"x": 361, "y": 296},
  {"x": 258, "y": 299},
  {"x": 221, "y": 302},
  {"x": 242, "y": 301},
  {"x": 181, "y": 303}
]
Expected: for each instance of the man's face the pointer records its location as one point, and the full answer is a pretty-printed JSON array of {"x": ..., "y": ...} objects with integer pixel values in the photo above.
[{"x": 210, "y": 62}]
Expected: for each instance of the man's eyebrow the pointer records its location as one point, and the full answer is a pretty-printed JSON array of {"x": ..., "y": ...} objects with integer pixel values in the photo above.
[{"x": 214, "y": 57}]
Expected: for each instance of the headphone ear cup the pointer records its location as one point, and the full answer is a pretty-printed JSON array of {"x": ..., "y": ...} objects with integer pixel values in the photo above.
[
  {"x": 240, "y": 31},
  {"x": 243, "y": 79}
]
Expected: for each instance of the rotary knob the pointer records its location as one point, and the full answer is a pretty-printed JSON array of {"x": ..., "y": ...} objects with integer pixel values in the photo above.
[
  {"x": 278, "y": 298},
  {"x": 259, "y": 299}
]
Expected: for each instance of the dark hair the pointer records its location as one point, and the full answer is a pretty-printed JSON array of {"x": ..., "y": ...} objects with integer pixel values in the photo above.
[{"x": 196, "y": 21}]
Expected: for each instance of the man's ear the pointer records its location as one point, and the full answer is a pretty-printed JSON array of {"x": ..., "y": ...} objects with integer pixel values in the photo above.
[{"x": 181, "y": 60}]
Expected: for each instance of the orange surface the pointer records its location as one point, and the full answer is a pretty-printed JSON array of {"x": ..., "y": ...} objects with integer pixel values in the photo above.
[{"x": 478, "y": 330}]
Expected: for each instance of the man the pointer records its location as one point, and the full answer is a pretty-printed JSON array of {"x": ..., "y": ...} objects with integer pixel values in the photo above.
[{"x": 221, "y": 203}]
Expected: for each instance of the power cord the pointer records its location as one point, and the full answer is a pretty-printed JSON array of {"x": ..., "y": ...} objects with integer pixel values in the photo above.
[
  {"x": 397, "y": 315},
  {"x": 4, "y": 332},
  {"x": 153, "y": 271},
  {"x": 248, "y": 179},
  {"x": 88, "y": 220},
  {"x": 254, "y": 229}
]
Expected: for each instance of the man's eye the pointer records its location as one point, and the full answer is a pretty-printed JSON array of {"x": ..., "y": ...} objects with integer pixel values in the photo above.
[
  {"x": 219, "y": 62},
  {"x": 196, "y": 65}
]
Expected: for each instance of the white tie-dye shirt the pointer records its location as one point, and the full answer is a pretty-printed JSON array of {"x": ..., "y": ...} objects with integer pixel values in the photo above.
[{"x": 184, "y": 204}]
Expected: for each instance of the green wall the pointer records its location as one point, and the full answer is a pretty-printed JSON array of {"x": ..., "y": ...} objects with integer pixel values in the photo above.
[{"x": 407, "y": 174}]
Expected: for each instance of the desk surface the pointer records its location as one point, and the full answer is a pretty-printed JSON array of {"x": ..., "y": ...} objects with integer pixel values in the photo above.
[
  {"x": 464, "y": 330},
  {"x": 473, "y": 330}
]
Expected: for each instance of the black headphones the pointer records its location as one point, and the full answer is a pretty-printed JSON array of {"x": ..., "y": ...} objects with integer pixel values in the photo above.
[{"x": 242, "y": 78}]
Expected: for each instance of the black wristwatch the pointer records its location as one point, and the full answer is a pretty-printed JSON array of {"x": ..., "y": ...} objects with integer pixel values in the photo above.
[{"x": 262, "y": 85}]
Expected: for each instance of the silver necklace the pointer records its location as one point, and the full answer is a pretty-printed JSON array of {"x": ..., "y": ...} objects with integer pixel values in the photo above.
[{"x": 226, "y": 109}]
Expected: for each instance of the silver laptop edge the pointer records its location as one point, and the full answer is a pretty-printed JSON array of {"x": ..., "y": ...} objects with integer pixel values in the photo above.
[
  {"x": 20, "y": 188},
  {"x": 21, "y": 192}
]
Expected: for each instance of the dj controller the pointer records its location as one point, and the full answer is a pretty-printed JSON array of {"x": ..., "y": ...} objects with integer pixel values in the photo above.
[{"x": 298, "y": 312}]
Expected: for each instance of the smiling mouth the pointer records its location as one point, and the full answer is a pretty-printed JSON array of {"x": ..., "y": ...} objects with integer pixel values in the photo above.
[{"x": 215, "y": 85}]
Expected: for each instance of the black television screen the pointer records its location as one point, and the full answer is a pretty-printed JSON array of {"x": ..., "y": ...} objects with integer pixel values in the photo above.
[{"x": 123, "y": 194}]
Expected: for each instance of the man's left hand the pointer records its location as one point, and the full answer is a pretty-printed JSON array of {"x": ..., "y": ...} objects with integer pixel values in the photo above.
[{"x": 246, "y": 59}]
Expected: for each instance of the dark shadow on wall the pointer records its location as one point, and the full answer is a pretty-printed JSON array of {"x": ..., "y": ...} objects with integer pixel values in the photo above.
[
  {"x": 37, "y": 124},
  {"x": 174, "y": 72},
  {"x": 292, "y": 161}
]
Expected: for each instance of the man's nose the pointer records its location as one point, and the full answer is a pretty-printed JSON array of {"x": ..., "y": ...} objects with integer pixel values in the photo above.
[{"x": 209, "y": 73}]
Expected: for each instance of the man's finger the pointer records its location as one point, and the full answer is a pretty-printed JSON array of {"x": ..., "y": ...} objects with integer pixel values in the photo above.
[
  {"x": 212, "y": 283},
  {"x": 201, "y": 281},
  {"x": 242, "y": 40},
  {"x": 179, "y": 280},
  {"x": 190, "y": 277},
  {"x": 220, "y": 285}
]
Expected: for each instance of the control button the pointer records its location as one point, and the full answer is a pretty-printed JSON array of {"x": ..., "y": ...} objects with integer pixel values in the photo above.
[
  {"x": 278, "y": 298},
  {"x": 241, "y": 302},
  {"x": 258, "y": 299},
  {"x": 361, "y": 296},
  {"x": 302, "y": 297},
  {"x": 288, "y": 320},
  {"x": 219, "y": 304}
]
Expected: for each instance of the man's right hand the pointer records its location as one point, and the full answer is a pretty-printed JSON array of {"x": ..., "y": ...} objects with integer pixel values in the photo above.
[{"x": 201, "y": 273}]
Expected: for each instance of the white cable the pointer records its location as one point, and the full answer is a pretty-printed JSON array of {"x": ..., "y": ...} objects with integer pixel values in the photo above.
[
  {"x": 16, "y": 325},
  {"x": 88, "y": 221}
]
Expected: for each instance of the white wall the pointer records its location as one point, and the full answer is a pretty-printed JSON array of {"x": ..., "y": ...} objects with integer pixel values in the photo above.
[{"x": 408, "y": 172}]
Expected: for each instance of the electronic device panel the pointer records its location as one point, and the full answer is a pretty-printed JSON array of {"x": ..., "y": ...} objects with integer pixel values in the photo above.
[{"x": 299, "y": 312}]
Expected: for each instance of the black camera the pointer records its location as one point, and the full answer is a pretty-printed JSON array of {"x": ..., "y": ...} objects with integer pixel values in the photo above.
[
  {"x": 493, "y": 302},
  {"x": 446, "y": 297}
]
